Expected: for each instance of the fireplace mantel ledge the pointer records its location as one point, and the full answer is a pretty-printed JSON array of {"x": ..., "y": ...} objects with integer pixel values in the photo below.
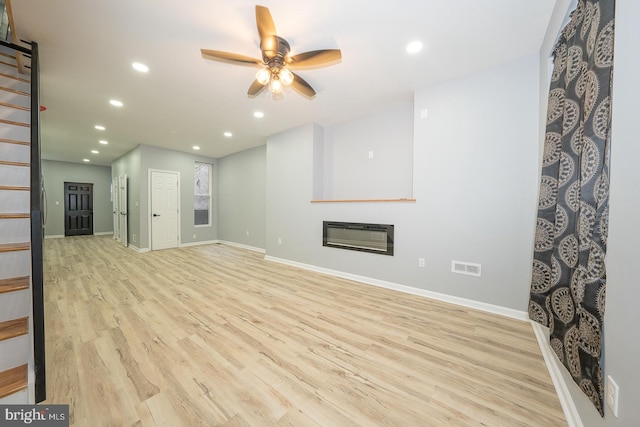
[{"x": 363, "y": 200}]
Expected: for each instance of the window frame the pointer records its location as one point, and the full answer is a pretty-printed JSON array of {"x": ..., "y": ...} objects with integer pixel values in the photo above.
[{"x": 210, "y": 195}]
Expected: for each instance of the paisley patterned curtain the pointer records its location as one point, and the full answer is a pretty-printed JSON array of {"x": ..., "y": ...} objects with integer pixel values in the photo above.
[{"x": 568, "y": 283}]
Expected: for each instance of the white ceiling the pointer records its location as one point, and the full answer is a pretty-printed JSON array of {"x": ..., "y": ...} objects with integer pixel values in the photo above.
[{"x": 87, "y": 47}]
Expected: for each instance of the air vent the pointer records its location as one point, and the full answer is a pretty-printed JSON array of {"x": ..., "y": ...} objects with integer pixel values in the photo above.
[{"x": 468, "y": 268}]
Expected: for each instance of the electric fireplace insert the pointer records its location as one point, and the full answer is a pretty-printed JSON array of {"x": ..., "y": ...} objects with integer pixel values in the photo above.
[{"x": 356, "y": 236}]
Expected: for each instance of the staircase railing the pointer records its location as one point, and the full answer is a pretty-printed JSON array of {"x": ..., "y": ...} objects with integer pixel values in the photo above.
[{"x": 37, "y": 235}]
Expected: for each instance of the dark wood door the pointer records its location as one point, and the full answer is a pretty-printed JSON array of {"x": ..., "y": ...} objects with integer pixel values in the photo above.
[{"x": 78, "y": 209}]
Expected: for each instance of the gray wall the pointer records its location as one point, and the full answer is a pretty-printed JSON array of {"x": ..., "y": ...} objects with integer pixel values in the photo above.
[
  {"x": 622, "y": 346},
  {"x": 129, "y": 165},
  {"x": 55, "y": 174},
  {"x": 242, "y": 197},
  {"x": 136, "y": 164},
  {"x": 349, "y": 172},
  {"x": 475, "y": 161}
]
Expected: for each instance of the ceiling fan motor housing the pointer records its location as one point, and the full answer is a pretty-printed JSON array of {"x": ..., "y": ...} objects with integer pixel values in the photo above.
[{"x": 274, "y": 51}]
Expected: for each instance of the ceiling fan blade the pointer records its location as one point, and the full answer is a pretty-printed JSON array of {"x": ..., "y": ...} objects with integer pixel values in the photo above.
[
  {"x": 266, "y": 27},
  {"x": 302, "y": 86},
  {"x": 255, "y": 88},
  {"x": 217, "y": 55},
  {"x": 315, "y": 58}
]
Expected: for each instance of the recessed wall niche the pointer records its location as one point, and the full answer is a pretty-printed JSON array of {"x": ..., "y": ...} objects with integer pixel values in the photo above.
[{"x": 365, "y": 159}]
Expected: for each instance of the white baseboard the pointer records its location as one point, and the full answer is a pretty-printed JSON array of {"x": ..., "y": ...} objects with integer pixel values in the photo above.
[
  {"x": 60, "y": 236},
  {"x": 208, "y": 242},
  {"x": 240, "y": 245},
  {"x": 482, "y": 306},
  {"x": 137, "y": 249},
  {"x": 554, "y": 366}
]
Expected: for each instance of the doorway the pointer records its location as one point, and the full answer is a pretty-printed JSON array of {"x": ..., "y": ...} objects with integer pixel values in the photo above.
[
  {"x": 164, "y": 192},
  {"x": 78, "y": 209}
]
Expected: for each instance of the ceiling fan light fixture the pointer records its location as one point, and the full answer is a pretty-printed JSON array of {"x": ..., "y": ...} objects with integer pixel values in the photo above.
[
  {"x": 275, "y": 86},
  {"x": 286, "y": 77},
  {"x": 263, "y": 76}
]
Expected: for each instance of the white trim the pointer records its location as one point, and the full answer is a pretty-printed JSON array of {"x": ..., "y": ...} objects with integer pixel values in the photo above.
[
  {"x": 62, "y": 236},
  {"x": 137, "y": 249},
  {"x": 477, "y": 305},
  {"x": 240, "y": 245},
  {"x": 554, "y": 367},
  {"x": 208, "y": 242}
]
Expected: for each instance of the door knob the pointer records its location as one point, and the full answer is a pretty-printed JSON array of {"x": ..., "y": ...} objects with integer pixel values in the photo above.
[{"x": 156, "y": 214}]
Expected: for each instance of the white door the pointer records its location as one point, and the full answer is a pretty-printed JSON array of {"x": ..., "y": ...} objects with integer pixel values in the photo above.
[
  {"x": 164, "y": 210},
  {"x": 115, "y": 194},
  {"x": 124, "y": 212}
]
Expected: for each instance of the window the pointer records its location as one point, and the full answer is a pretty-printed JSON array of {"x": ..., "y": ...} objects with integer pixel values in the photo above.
[{"x": 202, "y": 194}]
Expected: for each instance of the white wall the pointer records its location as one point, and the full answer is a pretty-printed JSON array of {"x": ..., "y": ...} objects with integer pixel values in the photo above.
[{"x": 474, "y": 178}]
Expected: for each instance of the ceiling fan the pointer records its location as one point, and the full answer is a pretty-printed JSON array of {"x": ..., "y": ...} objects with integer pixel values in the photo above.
[{"x": 276, "y": 64}]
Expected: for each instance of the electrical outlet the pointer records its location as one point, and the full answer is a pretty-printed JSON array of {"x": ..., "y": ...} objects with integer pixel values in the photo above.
[
  {"x": 133, "y": 238},
  {"x": 247, "y": 232},
  {"x": 279, "y": 240},
  {"x": 420, "y": 262},
  {"x": 194, "y": 235},
  {"x": 612, "y": 393}
]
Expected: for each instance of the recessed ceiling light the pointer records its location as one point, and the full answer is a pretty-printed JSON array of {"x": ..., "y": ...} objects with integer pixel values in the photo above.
[
  {"x": 103, "y": 142},
  {"x": 116, "y": 103},
  {"x": 195, "y": 147},
  {"x": 95, "y": 151},
  {"x": 258, "y": 114},
  {"x": 140, "y": 67},
  {"x": 86, "y": 160},
  {"x": 99, "y": 127},
  {"x": 414, "y": 46},
  {"x": 228, "y": 134}
]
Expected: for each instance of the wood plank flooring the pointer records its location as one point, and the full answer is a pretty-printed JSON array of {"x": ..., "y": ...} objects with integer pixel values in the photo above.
[{"x": 216, "y": 336}]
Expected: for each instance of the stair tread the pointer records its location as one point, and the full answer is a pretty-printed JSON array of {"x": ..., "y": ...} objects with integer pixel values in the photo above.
[
  {"x": 9, "y": 163},
  {"x": 15, "y": 215},
  {"x": 17, "y": 92},
  {"x": 14, "y": 328},
  {"x": 12, "y": 122},
  {"x": 17, "y": 107},
  {"x": 14, "y": 247},
  {"x": 9, "y": 76},
  {"x": 13, "y": 141},
  {"x": 14, "y": 284},
  {"x": 13, "y": 380},
  {"x": 14, "y": 188}
]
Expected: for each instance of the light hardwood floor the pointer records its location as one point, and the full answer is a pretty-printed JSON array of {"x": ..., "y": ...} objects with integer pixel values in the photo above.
[{"x": 216, "y": 336}]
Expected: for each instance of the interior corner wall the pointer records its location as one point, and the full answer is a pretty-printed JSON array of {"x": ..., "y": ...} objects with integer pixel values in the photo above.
[
  {"x": 242, "y": 197},
  {"x": 474, "y": 177},
  {"x": 177, "y": 161},
  {"x": 56, "y": 173}
]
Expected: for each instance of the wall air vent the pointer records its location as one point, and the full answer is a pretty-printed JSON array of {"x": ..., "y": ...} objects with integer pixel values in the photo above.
[{"x": 468, "y": 268}]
